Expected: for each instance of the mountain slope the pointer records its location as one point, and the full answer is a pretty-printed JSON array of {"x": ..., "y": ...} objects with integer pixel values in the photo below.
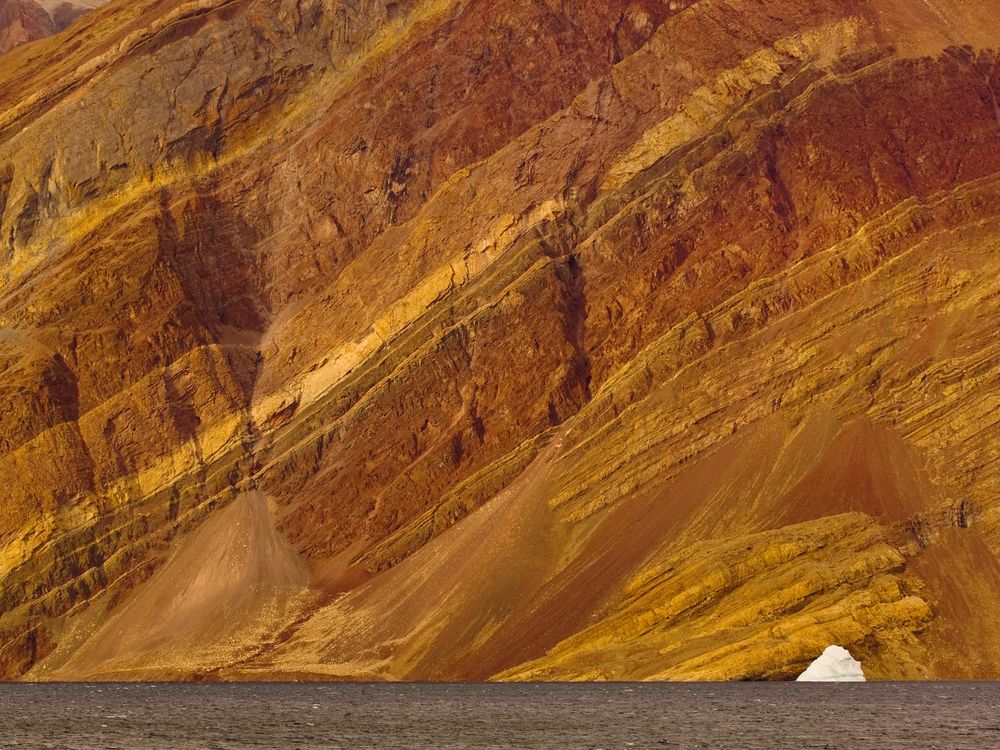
[
  {"x": 522, "y": 340},
  {"x": 22, "y": 21}
]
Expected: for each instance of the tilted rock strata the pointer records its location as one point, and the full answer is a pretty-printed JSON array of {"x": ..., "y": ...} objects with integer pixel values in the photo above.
[{"x": 648, "y": 340}]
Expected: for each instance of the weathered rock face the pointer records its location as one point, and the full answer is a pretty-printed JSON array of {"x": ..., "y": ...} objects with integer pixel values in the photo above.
[
  {"x": 23, "y": 21},
  {"x": 501, "y": 339},
  {"x": 64, "y": 14}
]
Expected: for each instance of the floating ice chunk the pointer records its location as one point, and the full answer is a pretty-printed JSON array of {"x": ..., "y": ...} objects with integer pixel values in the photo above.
[{"x": 835, "y": 665}]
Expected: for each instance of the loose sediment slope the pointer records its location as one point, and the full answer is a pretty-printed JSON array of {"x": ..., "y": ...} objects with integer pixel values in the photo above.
[
  {"x": 229, "y": 586},
  {"x": 456, "y": 339}
]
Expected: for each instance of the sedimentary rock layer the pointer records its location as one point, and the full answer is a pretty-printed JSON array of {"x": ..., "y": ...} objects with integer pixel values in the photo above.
[{"x": 459, "y": 339}]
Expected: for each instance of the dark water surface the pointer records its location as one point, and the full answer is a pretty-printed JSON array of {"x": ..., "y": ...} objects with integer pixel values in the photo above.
[{"x": 770, "y": 716}]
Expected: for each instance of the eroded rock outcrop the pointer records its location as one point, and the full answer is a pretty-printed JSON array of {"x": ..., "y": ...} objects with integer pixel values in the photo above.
[
  {"x": 531, "y": 340},
  {"x": 23, "y": 21}
]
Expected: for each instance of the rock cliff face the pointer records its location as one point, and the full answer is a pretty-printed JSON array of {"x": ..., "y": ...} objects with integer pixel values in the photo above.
[
  {"x": 440, "y": 339},
  {"x": 23, "y": 21}
]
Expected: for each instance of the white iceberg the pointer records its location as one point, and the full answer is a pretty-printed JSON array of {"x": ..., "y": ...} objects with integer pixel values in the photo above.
[{"x": 835, "y": 665}]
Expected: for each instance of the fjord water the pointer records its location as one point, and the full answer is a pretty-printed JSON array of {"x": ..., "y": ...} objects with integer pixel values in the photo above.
[{"x": 740, "y": 715}]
